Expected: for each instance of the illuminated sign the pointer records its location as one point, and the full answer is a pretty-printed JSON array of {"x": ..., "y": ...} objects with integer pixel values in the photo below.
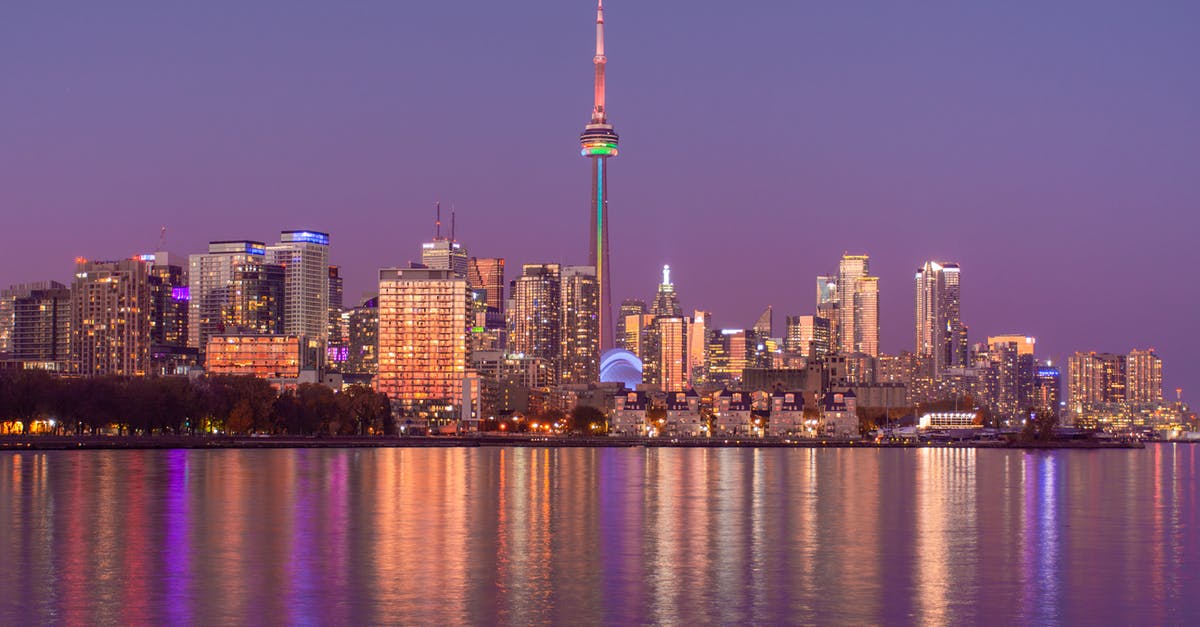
[
  {"x": 309, "y": 237},
  {"x": 181, "y": 293},
  {"x": 1047, "y": 372}
]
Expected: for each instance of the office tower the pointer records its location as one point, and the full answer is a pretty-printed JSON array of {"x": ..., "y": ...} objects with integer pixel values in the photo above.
[
  {"x": 765, "y": 325},
  {"x": 666, "y": 302},
  {"x": 827, "y": 307},
  {"x": 673, "y": 356},
  {"x": 422, "y": 356},
  {"x": 169, "y": 300},
  {"x": 210, "y": 286},
  {"x": 579, "y": 360},
  {"x": 363, "y": 340},
  {"x": 1047, "y": 390},
  {"x": 729, "y": 352},
  {"x": 487, "y": 274},
  {"x": 940, "y": 334},
  {"x": 1096, "y": 378},
  {"x": 8, "y": 299},
  {"x": 534, "y": 314},
  {"x": 599, "y": 143},
  {"x": 808, "y": 336},
  {"x": 1143, "y": 377},
  {"x": 41, "y": 326},
  {"x": 697, "y": 348},
  {"x": 629, "y": 307},
  {"x": 858, "y": 306},
  {"x": 304, "y": 256},
  {"x": 110, "y": 317},
  {"x": 445, "y": 254}
]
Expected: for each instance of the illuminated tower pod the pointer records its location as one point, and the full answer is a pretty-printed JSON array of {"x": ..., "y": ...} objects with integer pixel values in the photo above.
[{"x": 599, "y": 142}]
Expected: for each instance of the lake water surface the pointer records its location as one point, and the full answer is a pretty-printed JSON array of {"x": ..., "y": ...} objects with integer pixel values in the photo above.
[{"x": 600, "y": 535}]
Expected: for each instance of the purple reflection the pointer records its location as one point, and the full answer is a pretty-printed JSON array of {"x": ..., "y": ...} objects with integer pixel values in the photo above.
[{"x": 177, "y": 569}]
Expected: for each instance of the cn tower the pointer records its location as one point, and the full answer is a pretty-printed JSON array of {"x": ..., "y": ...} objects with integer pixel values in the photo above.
[{"x": 599, "y": 142}]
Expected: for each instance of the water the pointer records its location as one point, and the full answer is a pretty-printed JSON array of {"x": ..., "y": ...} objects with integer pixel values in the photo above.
[{"x": 581, "y": 536}]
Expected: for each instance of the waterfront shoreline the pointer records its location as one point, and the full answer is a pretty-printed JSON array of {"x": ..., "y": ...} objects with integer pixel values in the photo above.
[{"x": 88, "y": 442}]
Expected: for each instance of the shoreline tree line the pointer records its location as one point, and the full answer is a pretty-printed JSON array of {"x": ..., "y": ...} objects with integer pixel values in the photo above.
[{"x": 183, "y": 405}]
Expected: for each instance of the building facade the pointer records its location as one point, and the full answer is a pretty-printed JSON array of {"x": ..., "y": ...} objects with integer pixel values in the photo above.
[{"x": 110, "y": 317}]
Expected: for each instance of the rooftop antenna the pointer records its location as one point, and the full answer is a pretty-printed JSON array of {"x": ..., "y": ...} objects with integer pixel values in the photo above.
[
  {"x": 437, "y": 224},
  {"x": 452, "y": 215},
  {"x": 162, "y": 238}
]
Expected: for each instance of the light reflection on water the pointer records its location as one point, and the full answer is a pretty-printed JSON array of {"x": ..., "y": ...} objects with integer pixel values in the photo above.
[{"x": 551, "y": 536}]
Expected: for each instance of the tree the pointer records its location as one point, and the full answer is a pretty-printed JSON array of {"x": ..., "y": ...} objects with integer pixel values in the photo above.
[
  {"x": 365, "y": 407},
  {"x": 583, "y": 417}
]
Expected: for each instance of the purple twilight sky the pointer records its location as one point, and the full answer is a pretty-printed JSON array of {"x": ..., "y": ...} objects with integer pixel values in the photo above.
[{"x": 1051, "y": 148}]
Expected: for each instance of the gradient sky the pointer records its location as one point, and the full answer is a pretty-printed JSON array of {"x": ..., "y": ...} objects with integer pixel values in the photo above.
[{"x": 1051, "y": 148}]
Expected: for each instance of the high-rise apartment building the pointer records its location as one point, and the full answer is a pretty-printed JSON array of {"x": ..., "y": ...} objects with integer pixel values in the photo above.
[
  {"x": 1143, "y": 377},
  {"x": 487, "y": 274},
  {"x": 110, "y": 317},
  {"x": 940, "y": 334},
  {"x": 41, "y": 326},
  {"x": 304, "y": 256},
  {"x": 697, "y": 347},
  {"x": 829, "y": 308},
  {"x": 1047, "y": 390},
  {"x": 579, "y": 356},
  {"x": 673, "y": 356},
  {"x": 1012, "y": 359},
  {"x": 808, "y": 336},
  {"x": 858, "y": 306},
  {"x": 337, "y": 350},
  {"x": 534, "y": 314},
  {"x": 1095, "y": 378},
  {"x": 422, "y": 355},
  {"x": 169, "y": 295},
  {"x": 363, "y": 341}
]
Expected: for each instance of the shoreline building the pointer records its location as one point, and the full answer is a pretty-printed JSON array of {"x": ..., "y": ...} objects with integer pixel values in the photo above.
[
  {"x": 599, "y": 143},
  {"x": 304, "y": 257},
  {"x": 422, "y": 354}
]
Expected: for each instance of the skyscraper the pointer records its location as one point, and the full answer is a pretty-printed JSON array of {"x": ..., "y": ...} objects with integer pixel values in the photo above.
[
  {"x": 599, "y": 142},
  {"x": 488, "y": 275},
  {"x": 629, "y": 328},
  {"x": 579, "y": 348},
  {"x": 232, "y": 291},
  {"x": 304, "y": 256},
  {"x": 422, "y": 356},
  {"x": 169, "y": 294},
  {"x": 1095, "y": 378},
  {"x": 666, "y": 302},
  {"x": 808, "y": 336},
  {"x": 1143, "y": 377},
  {"x": 829, "y": 309},
  {"x": 110, "y": 317},
  {"x": 940, "y": 334},
  {"x": 673, "y": 357},
  {"x": 858, "y": 306},
  {"x": 697, "y": 349},
  {"x": 534, "y": 314}
]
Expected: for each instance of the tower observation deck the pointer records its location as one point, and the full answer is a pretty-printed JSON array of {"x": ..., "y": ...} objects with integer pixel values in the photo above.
[{"x": 599, "y": 142}]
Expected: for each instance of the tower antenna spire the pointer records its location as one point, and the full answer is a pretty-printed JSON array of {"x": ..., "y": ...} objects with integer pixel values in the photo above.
[
  {"x": 599, "y": 143},
  {"x": 437, "y": 221},
  {"x": 453, "y": 214}
]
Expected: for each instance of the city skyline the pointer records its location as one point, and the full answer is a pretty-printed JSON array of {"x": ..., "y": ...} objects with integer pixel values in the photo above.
[{"x": 1009, "y": 227}]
